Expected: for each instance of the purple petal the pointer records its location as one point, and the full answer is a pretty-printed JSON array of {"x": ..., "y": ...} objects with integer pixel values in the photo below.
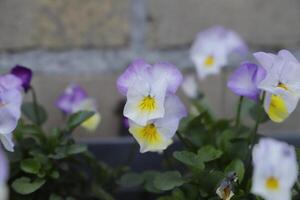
[
  {"x": 136, "y": 71},
  {"x": 9, "y": 81},
  {"x": 72, "y": 96},
  {"x": 169, "y": 74},
  {"x": 244, "y": 80},
  {"x": 24, "y": 74}
]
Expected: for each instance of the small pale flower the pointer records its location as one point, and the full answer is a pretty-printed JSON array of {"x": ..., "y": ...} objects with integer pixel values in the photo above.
[
  {"x": 157, "y": 134},
  {"x": 24, "y": 74},
  {"x": 190, "y": 87},
  {"x": 75, "y": 99},
  {"x": 212, "y": 48},
  {"x": 4, "y": 170},
  {"x": 146, "y": 87},
  {"x": 71, "y": 98},
  {"x": 10, "y": 108},
  {"x": 245, "y": 79},
  {"x": 275, "y": 169},
  {"x": 282, "y": 83}
]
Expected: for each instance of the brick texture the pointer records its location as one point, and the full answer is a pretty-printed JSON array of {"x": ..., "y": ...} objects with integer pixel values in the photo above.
[
  {"x": 267, "y": 22},
  {"x": 63, "y": 24}
]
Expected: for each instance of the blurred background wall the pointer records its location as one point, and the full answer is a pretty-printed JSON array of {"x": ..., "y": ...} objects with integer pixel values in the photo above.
[{"x": 91, "y": 41}]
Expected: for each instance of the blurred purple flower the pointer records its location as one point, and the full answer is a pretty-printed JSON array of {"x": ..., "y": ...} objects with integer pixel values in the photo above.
[
  {"x": 245, "y": 79},
  {"x": 24, "y": 74},
  {"x": 10, "y": 108},
  {"x": 213, "y": 47},
  {"x": 71, "y": 98}
]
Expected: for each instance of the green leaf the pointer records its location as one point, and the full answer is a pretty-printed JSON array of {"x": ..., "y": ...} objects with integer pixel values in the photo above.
[
  {"x": 24, "y": 186},
  {"x": 168, "y": 181},
  {"x": 149, "y": 177},
  {"x": 238, "y": 167},
  {"x": 55, "y": 197},
  {"x": 76, "y": 149},
  {"x": 189, "y": 158},
  {"x": 77, "y": 118},
  {"x": 131, "y": 180},
  {"x": 31, "y": 166},
  {"x": 36, "y": 114},
  {"x": 209, "y": 153}
]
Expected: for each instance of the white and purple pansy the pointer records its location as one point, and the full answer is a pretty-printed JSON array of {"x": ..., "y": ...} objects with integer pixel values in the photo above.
[
  {"x": 275, "y": 169},
  {"x": 10, "y": 108},
  {"x": 282, "y": 83},
  {"x": 211, "y": 49}
]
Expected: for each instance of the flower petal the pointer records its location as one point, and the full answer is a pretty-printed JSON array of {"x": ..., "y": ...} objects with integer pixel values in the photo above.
[
  {"x": 7, "y": 141},
  {"x": 244, "y": 80},
  {"x": 4, "y": 167},
  {"x": 169, "y": 74},
  {"x": 137, "y": 71},
  {"x": 71, "y": 97},
  {"x": 24, "y": 74},
  {"x": 288, "y": 56},
  {"x": 135, "y": 98},
  {"x": 149, "y": 138}
]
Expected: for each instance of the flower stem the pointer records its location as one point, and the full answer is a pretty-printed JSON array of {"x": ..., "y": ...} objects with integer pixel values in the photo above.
[
  {"x": 253, "y": 137},
  {"x": 238, "y": 113},
  {"x": 184, "y": 141},
  {"x": 254, "y": 134},
  {"x": 35, "y": 105}
]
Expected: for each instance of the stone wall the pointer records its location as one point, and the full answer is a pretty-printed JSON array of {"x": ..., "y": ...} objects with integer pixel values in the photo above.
[{"x": 92, "y": 41}]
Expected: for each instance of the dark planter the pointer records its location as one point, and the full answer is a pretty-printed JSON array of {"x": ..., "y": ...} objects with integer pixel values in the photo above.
[{"x": 116, "y": 152}]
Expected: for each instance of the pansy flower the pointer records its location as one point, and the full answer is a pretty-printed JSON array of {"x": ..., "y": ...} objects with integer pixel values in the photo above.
[
  {"x": 212, "y": 48},
  {"x": 10, "y": 108},
  {"x": 157, "y": 134},
  {"x": 275, "y": 169},
  {"x": 24, "y": 74},
  {"x": 282, "y": 83},
  {"x": 245, "y": 79},
  {"x": 75, "y": 99},
  {"x": 146, "y": 87}
]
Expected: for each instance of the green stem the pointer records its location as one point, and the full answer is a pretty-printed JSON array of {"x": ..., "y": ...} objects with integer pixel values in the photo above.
[
  {"x": 35, "y": 105},
  {"x": 184, "y": 141},
  {"x": 238, "y": 113},
  {"x": 253, "y": 137},
  {"x": 254, "y": 134}
]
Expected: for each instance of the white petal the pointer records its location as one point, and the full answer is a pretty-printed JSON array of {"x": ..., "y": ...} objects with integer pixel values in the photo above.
[
  {"x": 8, "y": 122},
  {"x": 7, "y": 141},
  {"x": 135, "y": 96},
  {"x": 286, "y": 55},
  {"x": 175, "y": 110},
  {"x": 158, "y": 145},
  {"x": 4, "y": 192}
]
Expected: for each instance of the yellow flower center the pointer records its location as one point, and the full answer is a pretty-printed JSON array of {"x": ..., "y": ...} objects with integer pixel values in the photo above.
[
  {"x": 283, "y": 86},
  {"x": 209, "y": 61},
  {"x": 272, "y": 183},
  {"x": 150, "y": 134},
  {"x": 148, "y": 104},
  {"x": 277, "y": 110}
]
